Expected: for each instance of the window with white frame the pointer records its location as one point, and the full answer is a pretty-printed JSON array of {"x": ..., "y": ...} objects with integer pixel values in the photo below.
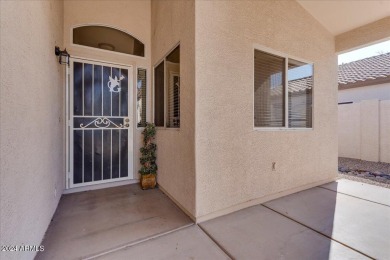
[
  {"x": 283, "y": 90},
  {"x": 167, "y": 91}
]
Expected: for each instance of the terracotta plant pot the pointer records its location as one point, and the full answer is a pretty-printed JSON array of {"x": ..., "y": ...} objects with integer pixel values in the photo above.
[{"x": 148, "y": 181}]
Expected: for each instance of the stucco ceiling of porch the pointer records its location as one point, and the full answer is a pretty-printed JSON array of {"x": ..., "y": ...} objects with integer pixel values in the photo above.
[{"x": 342, "y": 16}]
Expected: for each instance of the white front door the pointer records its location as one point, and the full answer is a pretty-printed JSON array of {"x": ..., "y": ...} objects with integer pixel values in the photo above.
[{"x": 99, "y": 123}]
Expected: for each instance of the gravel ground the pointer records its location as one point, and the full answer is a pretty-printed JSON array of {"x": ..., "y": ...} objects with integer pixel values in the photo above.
[
  {"x": 365, "y": 171},
  {"x": 364, "y": 165}
]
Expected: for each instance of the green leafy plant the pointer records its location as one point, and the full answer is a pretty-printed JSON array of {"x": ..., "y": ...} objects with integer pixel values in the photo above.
[{"x": 148, "y": 151}]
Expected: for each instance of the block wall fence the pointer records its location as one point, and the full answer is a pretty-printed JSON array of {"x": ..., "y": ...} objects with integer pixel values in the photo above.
[{"x": 364, "y": 130}]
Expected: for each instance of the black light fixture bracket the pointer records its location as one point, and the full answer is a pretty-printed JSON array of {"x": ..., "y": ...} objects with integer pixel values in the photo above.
[{"x": 63, "y": 56}]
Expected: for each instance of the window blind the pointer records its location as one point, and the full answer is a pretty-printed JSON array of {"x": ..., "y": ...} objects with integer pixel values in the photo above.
[
  {"x": 173, "y": 88},
  {"x": 173, "y": 104},
  {"x": 300, "y": 85},
  {"x": 269, "y": 91},
  {"x": 159, "y": 95},
  {"x": 141, "y": 97}
]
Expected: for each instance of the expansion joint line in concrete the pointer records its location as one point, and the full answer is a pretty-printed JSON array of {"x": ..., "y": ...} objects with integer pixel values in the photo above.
[
  {"x": 353, "y": 196},
  {"x": 331, "y": 238},
  {"x": 136, "y": 242},
  {"x": 216, "y": 242}
]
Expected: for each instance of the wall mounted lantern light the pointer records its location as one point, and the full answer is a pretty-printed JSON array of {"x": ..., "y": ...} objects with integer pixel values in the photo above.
[{"x": 63, "y": 56}]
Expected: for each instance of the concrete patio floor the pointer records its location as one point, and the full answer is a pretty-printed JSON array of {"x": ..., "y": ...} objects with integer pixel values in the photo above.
[
  {"x": 338, "y": 220},
  {"x": 88, "y": 223}
]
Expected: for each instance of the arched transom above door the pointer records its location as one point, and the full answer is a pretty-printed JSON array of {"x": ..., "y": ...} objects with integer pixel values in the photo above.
[{"x": 108, "y": 38}]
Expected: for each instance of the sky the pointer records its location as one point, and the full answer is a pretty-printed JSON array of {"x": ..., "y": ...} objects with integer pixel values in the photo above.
[
  {"x": 300, "y": 72},
  {"x": 365, "y": 52}
]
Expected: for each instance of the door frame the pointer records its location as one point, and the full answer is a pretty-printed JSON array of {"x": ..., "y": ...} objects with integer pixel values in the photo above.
[{"x": 69, "y": 123}]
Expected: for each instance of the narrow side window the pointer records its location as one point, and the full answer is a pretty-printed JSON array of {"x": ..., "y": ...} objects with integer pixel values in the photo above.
[
  {"x": 159, "y": 95},
  {"x": 141, "y": 97},
  {"x": 173, "y": 88},
  {"x": 167, "y": 91}
]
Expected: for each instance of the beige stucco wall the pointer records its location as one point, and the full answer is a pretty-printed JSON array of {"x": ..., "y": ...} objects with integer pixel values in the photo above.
[
  {"x": 364, "y": 130},
  {"x": 380, "y": 92},
  {"x": 349, "y": 130},
  {"x": 364, "y": 35},
  {"x": 369, "y": 130},
  {"x": 31, "y": 109},
  {"x": 173, "y": 22},
  {"x": 133, "y": 17},
  {"x": 234, "y": 161}
]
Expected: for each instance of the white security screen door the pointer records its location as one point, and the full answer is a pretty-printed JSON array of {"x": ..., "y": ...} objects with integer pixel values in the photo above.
[{"x": 100, "y": 124}]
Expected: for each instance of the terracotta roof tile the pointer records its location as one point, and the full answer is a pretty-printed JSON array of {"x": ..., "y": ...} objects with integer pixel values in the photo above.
[
  {"x": 295, "y": 86},
  {"x": 360, "y": 71},
  {"x": 352, "y": 74}
]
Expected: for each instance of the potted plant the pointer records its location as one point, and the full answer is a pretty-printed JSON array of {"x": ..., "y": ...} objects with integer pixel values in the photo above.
[{"x": 148, "y": 169}]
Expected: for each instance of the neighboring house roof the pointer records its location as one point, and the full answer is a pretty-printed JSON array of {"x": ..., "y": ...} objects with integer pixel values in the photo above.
[
  {"x": 300, "y": 84},
  {"x": 370, "y": 71},
  {"x": 294, "y": 86},
  {"x": 365, "y": 72}
]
